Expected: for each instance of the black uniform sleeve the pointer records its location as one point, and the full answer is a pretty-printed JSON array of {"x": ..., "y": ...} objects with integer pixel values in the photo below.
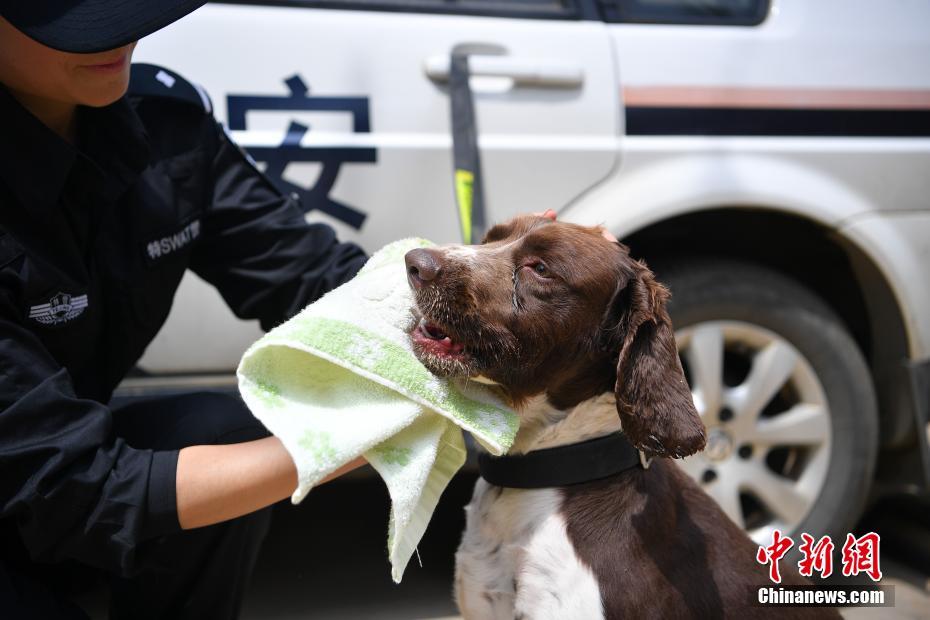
[
  {"x": 258, "y": 250},
  {"x": 74, "y": 489}
]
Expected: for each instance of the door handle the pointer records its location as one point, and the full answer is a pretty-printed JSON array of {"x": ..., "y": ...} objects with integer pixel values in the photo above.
[{"x": 524, "y": 72}]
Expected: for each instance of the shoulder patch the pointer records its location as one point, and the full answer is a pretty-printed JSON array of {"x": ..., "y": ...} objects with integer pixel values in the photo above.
[{"x": 153, "y": 81}]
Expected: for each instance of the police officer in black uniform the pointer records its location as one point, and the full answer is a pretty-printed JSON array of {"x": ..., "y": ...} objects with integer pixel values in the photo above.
[{"x": 106, "y": 199}]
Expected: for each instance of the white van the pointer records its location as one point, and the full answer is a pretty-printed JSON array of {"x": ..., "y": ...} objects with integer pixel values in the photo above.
[{"x": 770, "y": 159}]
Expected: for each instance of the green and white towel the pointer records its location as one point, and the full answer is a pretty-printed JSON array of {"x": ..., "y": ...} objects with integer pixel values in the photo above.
[{"x": 340, "y": 380}]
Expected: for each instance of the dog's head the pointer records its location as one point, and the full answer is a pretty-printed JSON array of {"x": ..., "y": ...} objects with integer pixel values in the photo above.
[{"x": 555, "y": 308}]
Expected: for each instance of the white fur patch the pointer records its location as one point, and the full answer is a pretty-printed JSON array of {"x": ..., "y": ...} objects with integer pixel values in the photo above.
[
  {"x": 544, "y": 426},
  {"x": 465, "y": 253},
  {"x": 516, "y": 560}
]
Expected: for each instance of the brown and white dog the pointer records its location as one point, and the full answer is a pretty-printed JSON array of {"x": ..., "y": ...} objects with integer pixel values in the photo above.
[{"x": 574, "y": 331}]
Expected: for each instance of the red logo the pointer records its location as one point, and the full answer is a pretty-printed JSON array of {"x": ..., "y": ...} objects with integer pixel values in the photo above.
[
  {"x": 817, "y": 557},
  {"x": 860, "y": 555},
  {"x": 773, "y": 553}
]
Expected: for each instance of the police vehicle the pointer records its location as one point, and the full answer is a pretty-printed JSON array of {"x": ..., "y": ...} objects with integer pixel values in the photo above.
[{"x": 769, "y": 159}]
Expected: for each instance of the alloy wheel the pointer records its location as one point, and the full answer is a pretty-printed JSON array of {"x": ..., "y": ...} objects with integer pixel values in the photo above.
[{"x": 768, "y": 424}]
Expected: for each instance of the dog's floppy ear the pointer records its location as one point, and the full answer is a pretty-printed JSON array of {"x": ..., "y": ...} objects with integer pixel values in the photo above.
[{"x": 653, "y": 398}]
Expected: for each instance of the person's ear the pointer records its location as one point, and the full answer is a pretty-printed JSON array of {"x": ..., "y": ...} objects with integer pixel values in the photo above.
[{"x": 653, "y": 399}]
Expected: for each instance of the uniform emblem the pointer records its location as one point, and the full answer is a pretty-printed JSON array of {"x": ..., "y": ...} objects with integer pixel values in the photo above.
[{"x": 61, "y": 308}]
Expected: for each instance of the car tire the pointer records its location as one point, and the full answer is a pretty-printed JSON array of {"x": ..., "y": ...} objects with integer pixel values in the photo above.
[{"x": 764, "y": 319}]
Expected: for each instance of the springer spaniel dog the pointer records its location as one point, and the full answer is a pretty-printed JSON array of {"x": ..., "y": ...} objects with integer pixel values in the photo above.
[{"x": 573, "y": 332}]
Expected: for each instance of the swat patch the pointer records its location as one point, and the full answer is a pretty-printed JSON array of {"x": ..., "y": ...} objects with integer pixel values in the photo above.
[{"x": 163, "y": 247}]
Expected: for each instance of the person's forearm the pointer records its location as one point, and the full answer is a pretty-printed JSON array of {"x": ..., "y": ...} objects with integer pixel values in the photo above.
[{"x": 217, "y": 483}]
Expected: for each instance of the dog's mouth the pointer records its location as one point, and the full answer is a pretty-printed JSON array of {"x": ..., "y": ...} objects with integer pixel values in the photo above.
[
  {"x": 440, "y": 349},
  {"x": 433, "y": 338}
]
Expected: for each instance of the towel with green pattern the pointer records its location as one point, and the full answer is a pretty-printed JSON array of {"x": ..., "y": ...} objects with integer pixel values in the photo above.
[{"x": 340, "y": 380}]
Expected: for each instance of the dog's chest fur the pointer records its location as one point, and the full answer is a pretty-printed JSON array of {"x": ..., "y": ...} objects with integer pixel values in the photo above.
[{"x": 516, "y": 559}]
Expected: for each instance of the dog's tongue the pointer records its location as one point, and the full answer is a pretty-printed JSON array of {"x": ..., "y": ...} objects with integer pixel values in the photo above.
[
  {"x": 449, "y": 345},
  {"x": 437, "y": 340}
]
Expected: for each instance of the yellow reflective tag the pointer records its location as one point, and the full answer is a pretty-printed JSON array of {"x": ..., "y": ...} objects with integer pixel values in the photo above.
[{"x": 464, "y": 188}]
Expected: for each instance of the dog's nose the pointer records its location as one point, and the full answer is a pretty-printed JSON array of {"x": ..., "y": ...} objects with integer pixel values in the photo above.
[{"x": 423, "y": 267}]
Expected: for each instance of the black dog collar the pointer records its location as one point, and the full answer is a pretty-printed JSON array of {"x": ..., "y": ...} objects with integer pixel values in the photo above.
[{"x": 564, "y": 465}]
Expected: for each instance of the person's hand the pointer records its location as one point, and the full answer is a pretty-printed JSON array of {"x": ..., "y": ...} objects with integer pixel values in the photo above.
[{"x": 549, "y": 214}]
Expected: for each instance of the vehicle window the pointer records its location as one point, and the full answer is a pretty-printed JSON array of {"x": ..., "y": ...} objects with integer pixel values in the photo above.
[
  {"x": 553, "y": 9},
  {"x": 712, "y": 12}
]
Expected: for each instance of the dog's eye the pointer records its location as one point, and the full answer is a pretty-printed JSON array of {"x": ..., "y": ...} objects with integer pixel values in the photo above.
[{"x": 540, "y": 268}]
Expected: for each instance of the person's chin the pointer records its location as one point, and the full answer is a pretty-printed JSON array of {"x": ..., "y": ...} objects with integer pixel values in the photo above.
[{"x": 106, "y": 91}]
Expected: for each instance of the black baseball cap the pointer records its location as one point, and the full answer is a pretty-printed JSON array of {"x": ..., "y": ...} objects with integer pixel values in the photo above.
[{"x": 85, "y": 26}]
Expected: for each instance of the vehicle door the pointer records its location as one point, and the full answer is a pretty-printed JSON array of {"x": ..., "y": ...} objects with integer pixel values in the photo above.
[{"x": 346, "y": 104}]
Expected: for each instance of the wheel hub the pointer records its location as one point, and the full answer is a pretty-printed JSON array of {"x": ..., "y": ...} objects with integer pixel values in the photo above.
[{"x": 719, "y": 445}]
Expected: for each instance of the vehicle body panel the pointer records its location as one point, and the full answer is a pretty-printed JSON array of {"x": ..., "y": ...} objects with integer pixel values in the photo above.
[
  {"x": 569, "y": 149},
  {"x": 541, "y": 146}
]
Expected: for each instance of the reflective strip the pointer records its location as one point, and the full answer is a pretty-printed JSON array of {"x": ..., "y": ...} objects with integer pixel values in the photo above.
[
  {"x": 775, "y": 98},
  {"x": 464, "y": 194}
]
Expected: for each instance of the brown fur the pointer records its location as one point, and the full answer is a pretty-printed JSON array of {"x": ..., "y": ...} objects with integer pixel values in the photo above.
[
  {"x": 594, "y": 322},
  {"x": 661, "y": 548}
]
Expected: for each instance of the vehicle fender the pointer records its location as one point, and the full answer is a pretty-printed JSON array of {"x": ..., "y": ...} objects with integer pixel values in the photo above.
[
  {"x": 898, "y": 244},
  {"x": 648, "y": 189}
]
